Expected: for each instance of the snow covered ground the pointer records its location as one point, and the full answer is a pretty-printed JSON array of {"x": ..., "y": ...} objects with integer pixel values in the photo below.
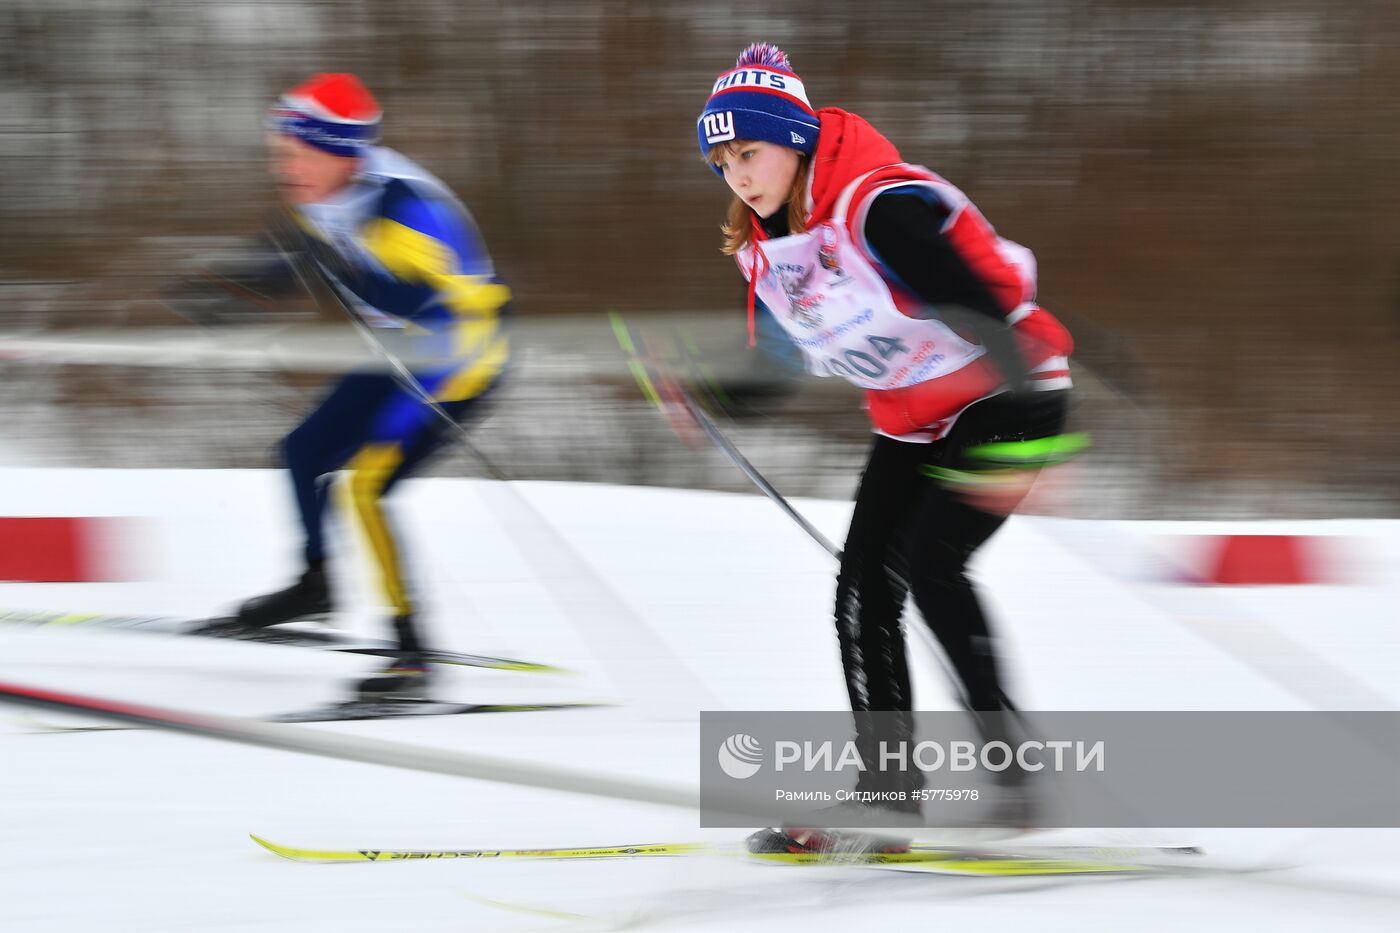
[{"x": 663, "y": 602}]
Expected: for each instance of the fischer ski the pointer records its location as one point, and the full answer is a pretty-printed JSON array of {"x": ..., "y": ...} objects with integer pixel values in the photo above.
[
  {"x": 297, "y": 637},
  {"x": 1047, "y": 860},
  {"x": 387, "y": 855},
  {"x": 956, "y": 861}
]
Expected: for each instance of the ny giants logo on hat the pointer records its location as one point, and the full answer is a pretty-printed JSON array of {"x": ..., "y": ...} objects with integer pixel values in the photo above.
[{"x": 719, "y": 126}]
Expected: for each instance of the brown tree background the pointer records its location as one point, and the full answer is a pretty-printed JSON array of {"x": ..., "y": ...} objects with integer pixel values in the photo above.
[{"x": 1209, "y": 186}]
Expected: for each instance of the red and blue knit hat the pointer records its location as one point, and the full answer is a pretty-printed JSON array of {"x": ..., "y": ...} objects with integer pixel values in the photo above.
[
  {"x": 760, "y": 98},
  {"x": 333, "y": 112}
]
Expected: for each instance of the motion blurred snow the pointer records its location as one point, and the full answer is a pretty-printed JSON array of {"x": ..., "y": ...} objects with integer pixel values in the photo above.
[{"x": 728, "y": 608}]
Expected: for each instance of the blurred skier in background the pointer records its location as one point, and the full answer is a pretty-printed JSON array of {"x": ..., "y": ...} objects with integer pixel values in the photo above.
[{"x": 392, "y": 244}]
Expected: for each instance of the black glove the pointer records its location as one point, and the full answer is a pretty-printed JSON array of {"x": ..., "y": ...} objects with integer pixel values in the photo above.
[{"x": 234, "y": 291}]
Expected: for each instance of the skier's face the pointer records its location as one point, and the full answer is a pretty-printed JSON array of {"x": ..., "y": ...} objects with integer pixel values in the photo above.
[
  {"x": 760, "y": 173},
  {"x": 305, "y": 174}
]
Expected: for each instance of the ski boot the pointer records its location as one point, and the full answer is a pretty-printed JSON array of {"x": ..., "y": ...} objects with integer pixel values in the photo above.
[
  {"x": 408, "y": 676},
  {"x": 792, "y": 840},
  {"x": 307, "y": 599},
  {"x": 861, "y": 829}
]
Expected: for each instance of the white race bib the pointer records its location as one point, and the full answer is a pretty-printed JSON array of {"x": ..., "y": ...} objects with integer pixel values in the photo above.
[{"x": 836, "y": 307}]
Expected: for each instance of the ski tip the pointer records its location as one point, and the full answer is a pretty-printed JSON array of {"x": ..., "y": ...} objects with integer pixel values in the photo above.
[
  {"x": 309, "y": 855},
  {"x": 270, "y": 846},
  {"x": 538, "y": 707},
  {"x": 287, "y": 852},
  {"x": 533, "y": 668},
  {"x": 495, "y": 664}
]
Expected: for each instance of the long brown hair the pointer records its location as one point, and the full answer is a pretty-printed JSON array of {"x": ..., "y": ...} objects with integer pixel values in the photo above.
[{"x": 738, "y": 223}]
